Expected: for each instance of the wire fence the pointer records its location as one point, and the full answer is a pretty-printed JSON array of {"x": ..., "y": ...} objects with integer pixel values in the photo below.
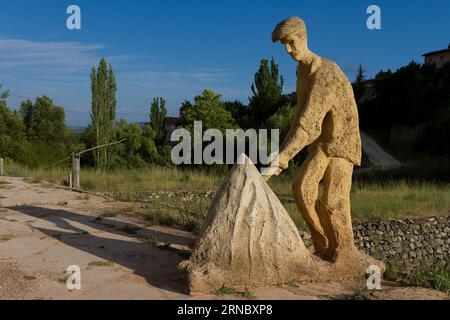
[{"x": 85, "y": 151}]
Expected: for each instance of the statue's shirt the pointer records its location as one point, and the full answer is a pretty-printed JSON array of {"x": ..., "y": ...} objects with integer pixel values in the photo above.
[{"x": 327, "y": 111}]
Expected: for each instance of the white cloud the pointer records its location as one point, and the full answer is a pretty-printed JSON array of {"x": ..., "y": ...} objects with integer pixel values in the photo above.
[
  {"x": 18, "y": 53},
  {"x": 61, "y": 70},
  {"x": 175, "y": 77}
]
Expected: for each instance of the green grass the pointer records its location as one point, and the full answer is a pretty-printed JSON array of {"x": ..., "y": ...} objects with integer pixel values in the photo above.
[
  {"x": 434, "y": 277},
  {"x": 4, "y": 185},
  {"x": 6, "y": 237},
  {"x": 130, "y": 230},
  {"x": 400, "y": 199},
  {"x": 154, "y": 241},
  {"x": 225, "y": 290},
  {"x": 360, "y": 289},
  {"x": 101, "y": 264},
  {"x": 392, "y": 272},
  {"x": 374, "y": 200},
  {"x": 188, "y": 215},
  {"x": 109, "y": 214},
  {"x": 247, "y": 293}
]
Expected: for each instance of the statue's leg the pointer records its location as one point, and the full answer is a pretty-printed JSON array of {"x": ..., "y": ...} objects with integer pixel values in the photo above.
[
  {"x": 336, "y": 210},
  {"x": 306, "y": 191}
]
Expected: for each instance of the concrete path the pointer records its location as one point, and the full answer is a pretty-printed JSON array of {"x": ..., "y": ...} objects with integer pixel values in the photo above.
[{"x": 44, "y": 230}]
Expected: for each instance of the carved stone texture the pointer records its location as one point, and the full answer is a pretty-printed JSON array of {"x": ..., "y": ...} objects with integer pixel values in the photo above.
[
  {"x": 327, "y": 122},
  {"x": 249, "y": 240}
]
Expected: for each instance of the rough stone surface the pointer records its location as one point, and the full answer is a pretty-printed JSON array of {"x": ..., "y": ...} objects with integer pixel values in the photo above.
[
  {"x": 249, "y": 237},
  {"x": 249, "y": 240},
  {"x": 326, "y": 122},
  {"x": 409, "y": 244}
]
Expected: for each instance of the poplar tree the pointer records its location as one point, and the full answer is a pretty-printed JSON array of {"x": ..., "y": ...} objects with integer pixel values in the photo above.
[
  {"x": 358, "y": 85},
  {"x": 267, "y": 91},
  {"x": 103, "y": 113},
  {"x": 158, "y": 112}
]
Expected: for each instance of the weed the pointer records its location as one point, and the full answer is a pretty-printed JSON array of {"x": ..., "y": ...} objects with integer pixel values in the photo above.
[
  {"x": 6, "y": 237},
  {"x": 154, "y": 241},
  {"x": 248, "y": 294},
  {"x": 109, "y": 214},
  {"x": 100, "y": 264},
  {"x": 129, "y": 229},
  {"x": 361, "y": 290},
  {"x": 436, "y": 276},
  {"x": 224, "y": 290}
]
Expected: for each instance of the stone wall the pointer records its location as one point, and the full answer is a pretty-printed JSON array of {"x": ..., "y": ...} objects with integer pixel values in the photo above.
[{"x": 409, "y": 244}]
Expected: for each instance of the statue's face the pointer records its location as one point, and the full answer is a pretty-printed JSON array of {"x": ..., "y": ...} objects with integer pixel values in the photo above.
[{"x": 295, "y": 47}]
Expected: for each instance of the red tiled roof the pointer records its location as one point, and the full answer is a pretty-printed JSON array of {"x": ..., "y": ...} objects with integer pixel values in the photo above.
[{"x": 436, "y": 52}]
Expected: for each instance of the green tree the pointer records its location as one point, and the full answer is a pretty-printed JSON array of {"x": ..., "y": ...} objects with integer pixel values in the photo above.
[
  {"x": 11, "y": 130},
  {"x": 158, "y": 113},
  {"x": 44, "y": 121},
  {"x": 282, "y": 120},
  {"x": 416, "y": 96},
  {"x": 3, "y": 95},
  {"x": 209, "y": 109},
  {"x": 139, "y": 149},
  {"x": 103, "y": 113},
  {"x": 149, "y": 149},
  {"x": 240, "y": 112},
  {"x": 361, "y": 76},
  {"x": 358, "y": 85},
  {"x": 267, "y": 91},
  {"x": 26, "y": 113},
  {"x": 128, "y": 154}
]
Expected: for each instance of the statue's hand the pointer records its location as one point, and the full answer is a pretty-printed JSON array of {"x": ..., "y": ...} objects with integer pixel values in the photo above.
[
  {"x": 272, "y": 171},
  {"x": 284, "y": 162}
]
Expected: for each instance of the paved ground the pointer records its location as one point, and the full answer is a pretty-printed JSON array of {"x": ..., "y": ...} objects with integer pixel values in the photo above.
[{"x": 43, "y": 230}]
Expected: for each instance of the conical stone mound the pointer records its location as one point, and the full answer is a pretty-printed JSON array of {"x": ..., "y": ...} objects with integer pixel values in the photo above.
[{"x": 248, "y": 238}]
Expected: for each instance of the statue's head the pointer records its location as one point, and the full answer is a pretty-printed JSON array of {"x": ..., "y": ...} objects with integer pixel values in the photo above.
[{"x": 292, "y": 33}]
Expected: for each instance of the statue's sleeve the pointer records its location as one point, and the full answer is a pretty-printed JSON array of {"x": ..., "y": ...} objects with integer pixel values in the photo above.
[
  {"x": 307, "y": 125},
  {"x": 314, "y": 111}
]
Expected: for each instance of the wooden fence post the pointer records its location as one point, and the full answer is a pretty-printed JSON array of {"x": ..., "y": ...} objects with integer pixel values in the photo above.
[
  {"x": 76, "y": 172},
  {"x": 1, "y": 167}
]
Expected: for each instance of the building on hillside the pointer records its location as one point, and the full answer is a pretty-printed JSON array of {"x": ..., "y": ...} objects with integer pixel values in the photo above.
[
  {"x": 438, "y": 58},
  {"x": 370, "y": 91},
  {"x": 170, "y": 125}
]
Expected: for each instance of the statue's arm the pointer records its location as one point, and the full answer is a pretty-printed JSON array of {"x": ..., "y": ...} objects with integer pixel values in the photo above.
[{"x": 307, "y": 125}]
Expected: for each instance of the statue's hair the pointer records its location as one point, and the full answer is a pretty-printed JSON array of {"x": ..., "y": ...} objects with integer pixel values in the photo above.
[{"x": 290, "y": 26}]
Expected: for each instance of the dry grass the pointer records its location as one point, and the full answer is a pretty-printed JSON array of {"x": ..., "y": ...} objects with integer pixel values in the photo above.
[
  {"x": 6, "y": 237},
  {"x": 369, "y": 201},
  {"x": 400, "y": 199},
  {"x": 124, "y": 180}
]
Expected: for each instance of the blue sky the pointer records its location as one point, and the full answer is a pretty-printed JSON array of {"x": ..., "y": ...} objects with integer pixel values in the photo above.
[{"x": 175, "y": 49}]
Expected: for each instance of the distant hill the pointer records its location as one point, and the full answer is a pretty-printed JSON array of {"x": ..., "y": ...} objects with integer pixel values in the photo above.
[{"x": 77, "y": 130}]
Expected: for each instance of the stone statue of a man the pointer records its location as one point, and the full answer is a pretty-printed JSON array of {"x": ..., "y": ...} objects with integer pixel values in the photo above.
[{"x": 327, "y": 122}]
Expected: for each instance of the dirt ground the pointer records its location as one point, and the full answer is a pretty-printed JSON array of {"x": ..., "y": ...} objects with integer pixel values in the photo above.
[{"x": 44, "y": 230}]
